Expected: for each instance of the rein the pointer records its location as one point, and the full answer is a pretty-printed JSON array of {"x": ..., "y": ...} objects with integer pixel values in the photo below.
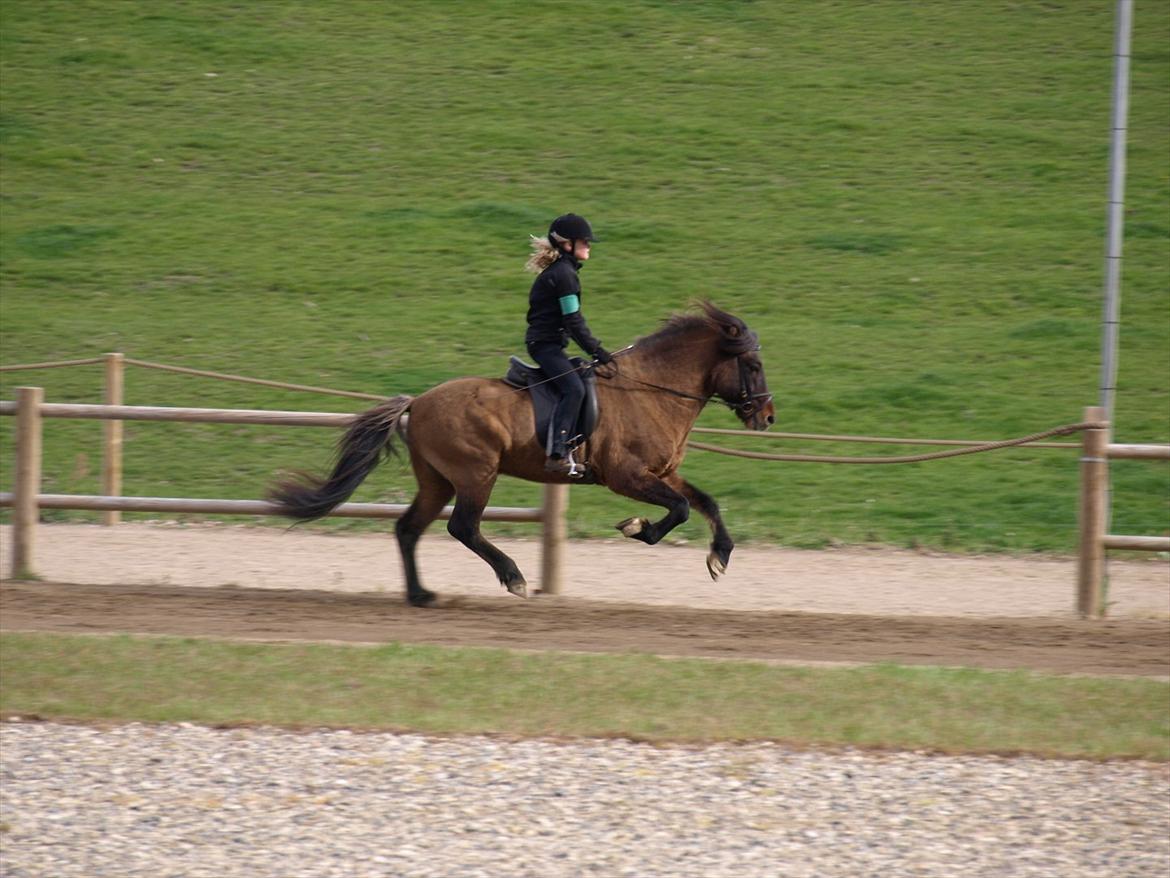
[
  {"x": 703, "y": 399},
  {"x": 745, "y": 405}
]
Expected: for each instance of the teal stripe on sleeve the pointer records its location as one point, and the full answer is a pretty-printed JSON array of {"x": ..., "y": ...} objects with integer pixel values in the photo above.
[{"x": 570, "y": 304}]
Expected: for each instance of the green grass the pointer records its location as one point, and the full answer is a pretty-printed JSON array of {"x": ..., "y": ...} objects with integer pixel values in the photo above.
[
  {"x": 905, "y": 199},
  {"x": 440, "y": 690}
]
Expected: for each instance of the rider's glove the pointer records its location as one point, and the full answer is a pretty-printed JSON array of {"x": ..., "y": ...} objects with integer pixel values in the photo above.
[{"x": 602, "y": 356}]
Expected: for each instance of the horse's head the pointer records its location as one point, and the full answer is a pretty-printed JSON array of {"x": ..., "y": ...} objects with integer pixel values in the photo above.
[
  {"x": 738, "y": 375},
  {"x": 729, "y": 366},
  {"x": 740, "y": 382}
]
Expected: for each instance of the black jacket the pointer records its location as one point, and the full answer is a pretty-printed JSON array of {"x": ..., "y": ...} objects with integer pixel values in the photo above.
[{"x": 554, "y": 307}]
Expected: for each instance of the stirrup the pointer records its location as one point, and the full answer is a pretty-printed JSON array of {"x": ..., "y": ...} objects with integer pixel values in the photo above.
[
  {"x": 576, "y": 470},
  {"x": 566, "y": 466}
]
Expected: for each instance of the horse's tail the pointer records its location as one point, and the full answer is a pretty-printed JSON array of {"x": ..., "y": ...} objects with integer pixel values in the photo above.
[{"x": 360, "y": 450}]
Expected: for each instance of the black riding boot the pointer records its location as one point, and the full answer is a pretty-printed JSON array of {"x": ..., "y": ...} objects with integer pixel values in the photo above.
[
  {"x": 560, "y": 459},
  {"x": 559, "y": 446}
]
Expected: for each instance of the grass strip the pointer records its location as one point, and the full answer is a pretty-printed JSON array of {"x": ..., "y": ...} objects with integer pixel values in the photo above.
[{"x": 440, "y": 690}]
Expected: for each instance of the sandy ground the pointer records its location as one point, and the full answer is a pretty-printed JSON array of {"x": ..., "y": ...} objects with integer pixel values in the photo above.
[{"x": 869, "y": 582}]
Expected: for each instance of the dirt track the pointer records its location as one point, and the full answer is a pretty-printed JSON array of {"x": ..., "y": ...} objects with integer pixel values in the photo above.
[
  {"x": 1112, "y": 647},
  {"x": 775, "y": 605}
]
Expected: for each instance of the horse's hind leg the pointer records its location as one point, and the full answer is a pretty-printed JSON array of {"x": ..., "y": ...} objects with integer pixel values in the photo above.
[
  {"x": 464, "y": 526},
  {"x": 721, "y": 544},
  {"x": 433, "y": 493}
]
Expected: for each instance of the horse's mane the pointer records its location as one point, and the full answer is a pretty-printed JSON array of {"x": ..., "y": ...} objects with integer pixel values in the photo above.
[{"x": 735, "y": 337}]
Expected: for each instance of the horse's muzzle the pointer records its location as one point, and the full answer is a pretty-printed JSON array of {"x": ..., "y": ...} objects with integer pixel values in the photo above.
[{"x": 758, "y": 416}]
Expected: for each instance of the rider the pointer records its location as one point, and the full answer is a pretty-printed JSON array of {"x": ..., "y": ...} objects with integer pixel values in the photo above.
[{"x": 554, "y": 316}]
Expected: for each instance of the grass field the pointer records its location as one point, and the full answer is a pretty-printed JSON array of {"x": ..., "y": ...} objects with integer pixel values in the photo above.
[
  {"x": 905, "y": 199},
  {"x": 437, "y": 690}
]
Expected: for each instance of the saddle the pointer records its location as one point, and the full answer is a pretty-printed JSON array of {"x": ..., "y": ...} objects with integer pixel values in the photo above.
[{"x": 545, "y": 397}]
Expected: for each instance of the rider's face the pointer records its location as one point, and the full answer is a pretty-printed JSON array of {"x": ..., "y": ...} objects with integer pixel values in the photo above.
[{"x": 581, "y": 250}]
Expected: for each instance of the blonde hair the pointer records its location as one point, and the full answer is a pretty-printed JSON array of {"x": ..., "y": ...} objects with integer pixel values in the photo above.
[{"x": 545, "y": 253}]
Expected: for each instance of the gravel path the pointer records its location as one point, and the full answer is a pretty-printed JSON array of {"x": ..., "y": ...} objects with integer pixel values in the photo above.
[{"x": 190, "y": 801}]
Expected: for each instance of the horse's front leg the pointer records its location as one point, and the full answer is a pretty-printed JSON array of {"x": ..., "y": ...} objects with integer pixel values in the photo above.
[
  {"x": 721, "y": 544},
  {"x": 643, "y": 485}
]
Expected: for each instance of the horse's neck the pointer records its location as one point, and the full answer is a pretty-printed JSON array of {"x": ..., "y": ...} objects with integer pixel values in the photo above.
[
  {"x": 684, "y": 367},
  {"x": 680, "y": 374}
]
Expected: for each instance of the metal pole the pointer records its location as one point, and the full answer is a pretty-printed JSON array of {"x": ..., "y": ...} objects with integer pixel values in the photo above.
[
  {"x": 1116, "y": 218},
  {"x": 1115, "y": 235}
]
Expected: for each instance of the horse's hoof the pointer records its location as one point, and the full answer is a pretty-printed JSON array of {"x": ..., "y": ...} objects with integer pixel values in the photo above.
[
  {"x": 423, "y": 598},
  {"x": 518, "y": 588},
  {"x": 715, "y": 566},
  {"x": 631, "y": 527}
]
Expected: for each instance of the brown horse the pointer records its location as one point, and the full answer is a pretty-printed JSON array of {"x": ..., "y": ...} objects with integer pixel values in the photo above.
[{"x": 464, "y": 433}]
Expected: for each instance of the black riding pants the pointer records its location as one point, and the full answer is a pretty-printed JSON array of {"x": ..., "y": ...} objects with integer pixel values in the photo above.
[{"x": 551, "y": 357}]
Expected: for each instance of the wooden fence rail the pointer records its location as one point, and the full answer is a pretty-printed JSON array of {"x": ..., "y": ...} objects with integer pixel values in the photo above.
[
  {"x": 26, "y": 499},
  {"x": 120, "y": 503}
]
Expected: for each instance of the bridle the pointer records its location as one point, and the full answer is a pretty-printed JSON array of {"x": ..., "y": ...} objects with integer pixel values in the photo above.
[{"x": 744, "y": 405}]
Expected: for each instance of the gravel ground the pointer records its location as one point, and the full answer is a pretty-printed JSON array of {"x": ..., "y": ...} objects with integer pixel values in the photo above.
[{"x": 191, "y": 801}]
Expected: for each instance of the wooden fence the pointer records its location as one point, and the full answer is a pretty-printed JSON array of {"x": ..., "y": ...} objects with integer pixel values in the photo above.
[
  {"x": 26, "y": 498},
  {"x": 1097, "y": 450}
]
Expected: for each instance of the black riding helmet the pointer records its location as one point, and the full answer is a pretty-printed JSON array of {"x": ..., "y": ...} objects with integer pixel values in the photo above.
[{"x": 570, "y": 227}]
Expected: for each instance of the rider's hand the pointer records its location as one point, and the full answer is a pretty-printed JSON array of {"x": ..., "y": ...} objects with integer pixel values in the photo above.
[{"x": 602, "y": 356}]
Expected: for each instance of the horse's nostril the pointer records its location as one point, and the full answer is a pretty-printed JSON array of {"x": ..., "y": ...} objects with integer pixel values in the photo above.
[{"x": 771, "y": 420}]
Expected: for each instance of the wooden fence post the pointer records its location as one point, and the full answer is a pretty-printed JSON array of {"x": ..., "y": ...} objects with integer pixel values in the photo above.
[
  {"x": 27, "y": 484},
  {"x": 556, "y": 501},
  {"x": 112, "y": 436},
  {"x": 1093, "y": 515}
]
